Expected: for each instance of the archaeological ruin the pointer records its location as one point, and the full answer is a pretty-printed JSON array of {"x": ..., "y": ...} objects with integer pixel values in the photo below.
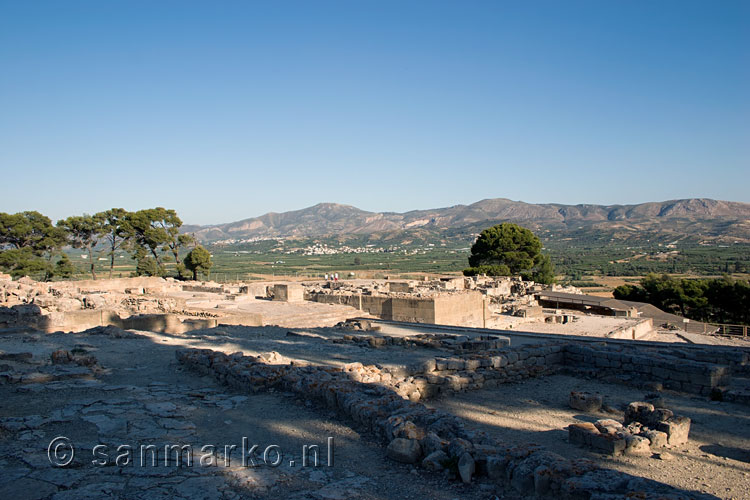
[{"x": 446, "y": 388}]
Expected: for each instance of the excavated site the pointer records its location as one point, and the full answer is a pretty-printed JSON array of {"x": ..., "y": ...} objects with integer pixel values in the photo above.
[{"x": 455, "y": 388}]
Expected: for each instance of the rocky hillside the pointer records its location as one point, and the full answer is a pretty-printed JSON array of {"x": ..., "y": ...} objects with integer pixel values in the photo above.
[{"x": 698, "y": 219}]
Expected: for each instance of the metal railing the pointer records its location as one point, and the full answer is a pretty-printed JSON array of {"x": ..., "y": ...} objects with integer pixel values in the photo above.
[{"x": 715, "y": 329}]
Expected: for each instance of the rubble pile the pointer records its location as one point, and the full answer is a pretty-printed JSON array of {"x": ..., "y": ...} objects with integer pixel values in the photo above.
[
  {"x": 644, "y": 430},
  {"x": 62, "y": 365},
  {"x": 455, "y": 343},
  {"x": 25, "y": 302}
]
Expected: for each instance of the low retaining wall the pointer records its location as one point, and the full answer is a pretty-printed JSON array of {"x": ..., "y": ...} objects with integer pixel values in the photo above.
[
  {"x": 435, "y": 438},
  {"x": 77, "y": 321},
  {"x": 647, "y": 366},
  {"x": 641, "y": 329}
]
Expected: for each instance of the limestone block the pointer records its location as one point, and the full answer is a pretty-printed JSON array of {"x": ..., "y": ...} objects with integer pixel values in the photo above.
[
  {"x": 638, "y": 412},
  {"x": 432, "y": 443},
  {"x": 608, "y": 426},
  {"x": 458, "y": 447},
  {"x": 466, "y": 467},
  {"x": 585, "y": 401},
  {"x": 582, "y": 433},
  {"x": 609, "y": 444},
  {"x": 677, "y": 430},
  {"x": 496, "y": 465},
  {"x": 435, "y": 460},
  {"x": 407, "y": 451},
  {"x": 658, "y": 439},
  {"x": 637, "y": 446}
]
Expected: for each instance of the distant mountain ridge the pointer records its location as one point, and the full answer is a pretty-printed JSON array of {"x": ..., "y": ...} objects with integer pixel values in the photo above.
[{"x": 699, "y": 217}]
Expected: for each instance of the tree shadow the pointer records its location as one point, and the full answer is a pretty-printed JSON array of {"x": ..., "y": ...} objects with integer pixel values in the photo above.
[{"x": 719, "y": 450}]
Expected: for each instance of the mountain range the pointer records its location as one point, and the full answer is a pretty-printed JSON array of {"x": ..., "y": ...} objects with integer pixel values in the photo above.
[{"x": 697, "y": 220}]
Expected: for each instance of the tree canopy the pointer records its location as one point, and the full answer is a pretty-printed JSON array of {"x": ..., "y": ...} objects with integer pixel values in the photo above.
[
  {"x": 198, "y": 261},
  {"x": 507, "y": 249},
  {"x": 30, "y": 243},
  {"x": 722, "y": 300},
  {"x": 84, "y": 232}
]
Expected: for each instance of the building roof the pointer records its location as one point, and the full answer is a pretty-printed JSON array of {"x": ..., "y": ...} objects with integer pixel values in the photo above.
[{"x": 586, "y": 300}]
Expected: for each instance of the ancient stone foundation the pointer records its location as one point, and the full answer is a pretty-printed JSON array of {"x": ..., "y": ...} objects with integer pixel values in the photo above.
[
  {"x": 430, "y": 437},
  {"x": 646, "y": 429}
]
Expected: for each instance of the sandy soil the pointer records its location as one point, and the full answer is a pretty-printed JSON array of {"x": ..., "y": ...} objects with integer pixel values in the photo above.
[{"x": 716, "y": 460}]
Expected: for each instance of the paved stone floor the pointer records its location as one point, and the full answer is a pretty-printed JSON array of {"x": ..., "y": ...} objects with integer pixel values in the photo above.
[{"x": 139, "y": 396}]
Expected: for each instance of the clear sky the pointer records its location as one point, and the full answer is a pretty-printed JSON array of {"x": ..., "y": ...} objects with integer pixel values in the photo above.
[{"x": 224, "y": 110}]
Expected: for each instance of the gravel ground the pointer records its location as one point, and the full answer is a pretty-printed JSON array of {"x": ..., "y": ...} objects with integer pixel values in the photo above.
[{"x": 716, "y": 460}]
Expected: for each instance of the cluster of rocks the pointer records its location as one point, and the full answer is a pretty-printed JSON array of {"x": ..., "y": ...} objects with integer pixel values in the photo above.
[
  {"x": 452, "y": 374},
  {"x": 654, "y": 369},
  {"x": 645, "y": 429},
  {"x": 499, "y": 289},
  {"x": 23, "y": 368},
  {"x": 112, "y": 332},
  {"x": 419, "y": 435},
  {"x": 28, "y": 303},
  {"x": 78, "y": 357},
  {"x": 455, "y": 343},
  {"x": 357, "y": 325}
]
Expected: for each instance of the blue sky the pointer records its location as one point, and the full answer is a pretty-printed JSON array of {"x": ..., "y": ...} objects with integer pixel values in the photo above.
[{"x": 226, "y": 110}]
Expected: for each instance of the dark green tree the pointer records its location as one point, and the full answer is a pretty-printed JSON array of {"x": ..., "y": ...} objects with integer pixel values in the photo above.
[
  {"x": 115, "y": 231},
  {"x": 84, "y": 232},
  {"x": 630, "y": 292},
  {"x": 155, "y": 230},
  {"x": 23, "y": 262},
  {"x": 543, "y": 271},
  {"x": 488, "y": 270},
  {"x": 198, "y": 260},
  {"x": 28, "y": 243},
  {"x": 512, "y": 247},
  {"x": 64, "y": 268},
  {"x": 147, "y": 265}
]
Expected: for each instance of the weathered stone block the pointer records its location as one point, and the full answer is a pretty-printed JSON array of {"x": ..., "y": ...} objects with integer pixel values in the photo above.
[
  {"x": 435, "y": 460},
  {"x": 608, "y": 426},
  {"x": 496, "y": 465},
  {"x": 407, "y": 451},
  {"x": 638, "y": 412},
  {"x": 585, "y": 401},
  {"x": 608, "y": 443},
  {"x": 582, "y": 433},
  {"x": 658, "y": 439},
  {"x": 466, "y": 467},
  {"x": 677, "y": 430},
  {"x": 432, "y": 443},
  {"x": 637, "y": 446}
]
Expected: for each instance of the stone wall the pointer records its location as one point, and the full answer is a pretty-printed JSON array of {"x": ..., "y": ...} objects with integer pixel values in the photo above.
[
  {"x": 693, "y": 370},
  {"x": 459, "y": 309},
  {"x": 76, "y": 321},
  {"x": 641, "y": 329},
  {"x": 436, "y": 439},
  {"x": 288, "y": 292},
  {"x": 643, "y": 366}
]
